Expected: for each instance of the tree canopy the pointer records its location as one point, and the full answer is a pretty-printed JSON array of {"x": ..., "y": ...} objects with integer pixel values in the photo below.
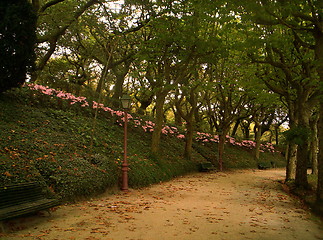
[{"x": 17, "y": 42}]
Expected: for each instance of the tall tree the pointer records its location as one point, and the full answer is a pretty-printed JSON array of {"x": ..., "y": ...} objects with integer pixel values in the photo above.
[
  {"x": 191, "y": 99},
  {"x": 305, "y": 19},
  {"x": 228, "y": 100},
  {"x": 17, "y": 42}
]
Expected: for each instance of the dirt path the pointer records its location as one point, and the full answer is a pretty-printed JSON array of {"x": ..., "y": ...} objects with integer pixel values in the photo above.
[{"x": 237, "y": 205}]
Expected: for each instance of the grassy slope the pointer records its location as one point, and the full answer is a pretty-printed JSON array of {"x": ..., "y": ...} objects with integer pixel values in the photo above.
[{"x": 52, "y": 142}]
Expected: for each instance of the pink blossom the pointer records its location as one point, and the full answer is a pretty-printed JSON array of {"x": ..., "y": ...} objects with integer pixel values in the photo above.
[
  {"x": 60, "y": 94},
  {"x": 129, "y": 116},
  {"x": 48, "y": 91},
  {"x": 119, "y": 113},
  {"x": 180, "y": 136},
  {"x": 164, "y": 131},
  {"x": 137, "y": 122}
]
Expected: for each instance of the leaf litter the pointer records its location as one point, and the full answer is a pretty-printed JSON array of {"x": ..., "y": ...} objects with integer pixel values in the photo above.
[{"x": 229, "y": 205}]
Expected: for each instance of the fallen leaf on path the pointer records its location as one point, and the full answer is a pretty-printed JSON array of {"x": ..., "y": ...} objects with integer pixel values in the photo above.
[
  {"x": 70, "y": 229},
  {"x": 41, "y": 235},
  {"x": 92, "y": 238}
]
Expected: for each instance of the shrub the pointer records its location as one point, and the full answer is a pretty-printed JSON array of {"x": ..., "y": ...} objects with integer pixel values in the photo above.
[{"x": 78, "y": 177}]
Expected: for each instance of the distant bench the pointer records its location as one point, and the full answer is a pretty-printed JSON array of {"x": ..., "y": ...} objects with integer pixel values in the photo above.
[
  {"x": 23, "y": 198},
  {"x": 265, "y": 165},
  {"x": 206, "y": 167}
]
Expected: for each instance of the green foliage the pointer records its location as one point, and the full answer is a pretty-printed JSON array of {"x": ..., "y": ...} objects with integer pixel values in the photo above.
[
  {"x": 56, "y": 74},
  {"x": 17, "y": 40},
  {"x": 75, "y": 177},
  {"x": 14, "y": 169},
  {"x": 298, "y": 135}
]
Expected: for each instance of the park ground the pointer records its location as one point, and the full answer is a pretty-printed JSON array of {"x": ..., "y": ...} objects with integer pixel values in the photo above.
[{"x": 240, "y": 204}]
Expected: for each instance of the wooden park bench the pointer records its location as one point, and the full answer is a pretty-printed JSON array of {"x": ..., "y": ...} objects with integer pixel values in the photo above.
[
  {"x": 264, "y": 165},
  {"x": 206, "y": 167},
  {"x": 23, "y": 198}
]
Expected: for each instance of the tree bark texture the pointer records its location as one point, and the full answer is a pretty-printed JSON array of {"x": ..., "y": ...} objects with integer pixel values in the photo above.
[
  {"x": 291, "y": 162},
  {"x": 314, "y": 145},
  {"x": 304, "y": 115},
  {"x": 155, "y": 141},
  {"x": 319, "y": 193},
  {"x": 188, "y": 140},
  {"x": 319, "y": 58},
  {"x": 221, "y": 150},
  {"x": 257, "y": 140}
]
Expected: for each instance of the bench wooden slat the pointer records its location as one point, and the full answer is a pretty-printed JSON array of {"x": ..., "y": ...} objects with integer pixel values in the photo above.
[
  {"x": 263, "y": 165},
  {"x": 13, "y": 195},
  {"x": 206, "y": 167},
  {"x": 26, "y": 208},
  {"x": 20, "y": 199}
]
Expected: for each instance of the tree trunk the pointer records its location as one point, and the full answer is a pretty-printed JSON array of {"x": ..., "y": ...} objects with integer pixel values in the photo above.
[
  {"x": 189, "y": 139},
  {"x": 319, "y": 58},
  {"x": 277, "y": 134},
  {"x": 270, "y": 139},
  {"x": 291, "y": 162},
  {"x": 117, "y": 90},
  {"x": 198, "y": 120},
  {"x": 235, "y": 128},
  {"x": 257, "y": 140},
  {"x": 314, "y": 145},
  {"x": 102, "y": 79},
  {"x": 189, "y": 117},
  {"x": 301, "y": 165},
  {"x": 178, "y": 118},
  {"x": 303, "y": 148},
  {"x": 319, "y": 192},
  {"x": 292, "y": 147},
  {"x": 221, "y": 149},
  {"x": 245, "y": 129},
  {"x": 120, "y": 73},
  {"x": 155, "y": 141}
]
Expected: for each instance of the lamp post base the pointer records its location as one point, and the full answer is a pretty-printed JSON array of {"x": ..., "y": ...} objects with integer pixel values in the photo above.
[{"x": 124, "y": 177}]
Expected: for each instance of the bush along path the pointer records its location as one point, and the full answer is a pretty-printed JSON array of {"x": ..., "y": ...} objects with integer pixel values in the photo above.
[{"x": 242, "y": 204}]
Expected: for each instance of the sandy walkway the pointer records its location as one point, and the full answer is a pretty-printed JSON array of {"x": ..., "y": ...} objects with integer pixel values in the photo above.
[{"x": 237, "y": 205}]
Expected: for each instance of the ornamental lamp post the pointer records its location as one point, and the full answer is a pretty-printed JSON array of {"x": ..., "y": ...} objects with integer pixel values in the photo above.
[{"x": 125, "y": 102}]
